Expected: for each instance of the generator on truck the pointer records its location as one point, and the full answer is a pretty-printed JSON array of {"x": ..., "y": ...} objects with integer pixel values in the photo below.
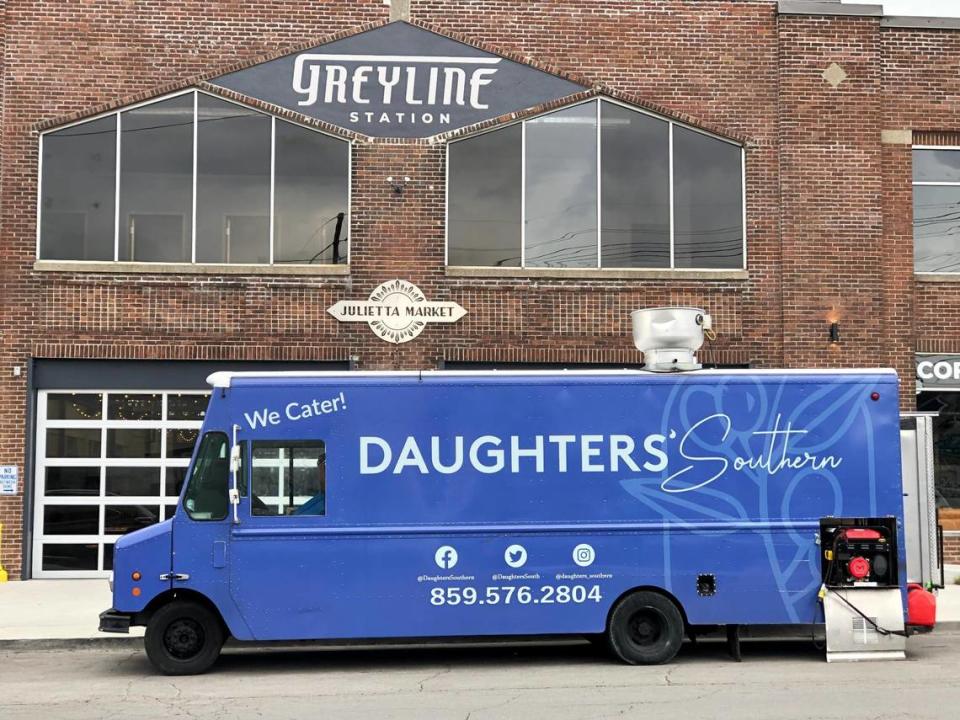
[{"x": 636, "y": 506}]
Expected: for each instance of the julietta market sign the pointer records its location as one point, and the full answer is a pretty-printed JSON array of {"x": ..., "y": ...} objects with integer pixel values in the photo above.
[
  {"x": 397, "y": 311},
  {"x": 398, "y": 80}
]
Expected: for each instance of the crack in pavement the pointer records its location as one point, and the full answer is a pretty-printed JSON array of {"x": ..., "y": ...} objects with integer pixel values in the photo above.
[{"x": 433, "y": 676}]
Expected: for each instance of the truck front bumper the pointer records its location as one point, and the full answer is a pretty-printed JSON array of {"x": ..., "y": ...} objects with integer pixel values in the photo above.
[{"x": 113, "y": 621}]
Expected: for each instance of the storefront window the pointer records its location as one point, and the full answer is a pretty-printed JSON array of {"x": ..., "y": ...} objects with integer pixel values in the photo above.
[
  {"x": 591, "y": 186},
  {"x": 946, "y": 445},
  {"x": 936, "y": 210},
  {"x": 197, "y": 176}
]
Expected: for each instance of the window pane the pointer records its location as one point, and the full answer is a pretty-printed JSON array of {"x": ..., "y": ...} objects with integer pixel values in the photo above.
[
  {"x": 707, "y": 201},
  {"x": 156, "y": 181},
  {"x": 936, "y": 228},
  {"x": 78, "y": 192},
  {"x": 75, "y": 406},
  {"x": 69, "y": 557},
  {"x": 635, "y": 188},
  {"x": 120, "y": 519},
  {"x": 484, "y": 213},
  {"x": 187, "y": 406},
  {"x": 946, "y": 444},
  {"x": 170, "y": 511},
  {"x": 310, "y": 191},
  {"x": 233, "y": 183},
  {"x": 59, "y": 481},
  {"x": 180, "y": 443},
  {"x": 133, "y": 407},
  {"x": 289, "y": 478},
  {"x": 936, "y": 165},
  {"x": 73, "y": 442},
  {"x": 561, "y": 178},
  {"x": 174, "y": 480},
  {"x": 206, "y": 496},
  {"x": 108, "y": 556},
  {"x": 133, "y": 481},
  {"x": 133, "y": 443},
  {"x": 71, "y": 520}
]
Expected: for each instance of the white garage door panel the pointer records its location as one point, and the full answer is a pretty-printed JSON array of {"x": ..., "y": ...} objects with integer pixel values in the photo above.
[{"x": 107, "y": 462}]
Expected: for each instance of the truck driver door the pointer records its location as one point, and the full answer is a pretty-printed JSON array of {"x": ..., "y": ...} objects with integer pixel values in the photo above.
[{"x": 201, "y": 525}]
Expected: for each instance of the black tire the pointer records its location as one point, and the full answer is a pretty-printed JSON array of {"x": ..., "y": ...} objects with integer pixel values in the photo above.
[
  {"x": 646, "y": 628},
  {"x": 183, "y": 638}
]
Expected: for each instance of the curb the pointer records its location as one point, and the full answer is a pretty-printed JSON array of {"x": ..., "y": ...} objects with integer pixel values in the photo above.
[
  {"x": 136, "y": 642},
  {"x": 28, "y": 644}
]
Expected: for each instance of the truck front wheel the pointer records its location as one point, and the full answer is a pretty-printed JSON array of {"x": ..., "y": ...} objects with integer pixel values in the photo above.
[
  {"x": 645, "y": 628},
  {"x": 183, "y": 638}
]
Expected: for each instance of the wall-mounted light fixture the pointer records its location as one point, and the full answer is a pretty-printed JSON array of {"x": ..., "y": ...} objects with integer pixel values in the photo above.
[
  {"x": 834, "y": 332},
  {"x": 398, "y": 184}
]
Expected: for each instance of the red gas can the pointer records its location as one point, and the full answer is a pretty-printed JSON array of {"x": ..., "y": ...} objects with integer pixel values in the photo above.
[{"x": 921, "y": 606}]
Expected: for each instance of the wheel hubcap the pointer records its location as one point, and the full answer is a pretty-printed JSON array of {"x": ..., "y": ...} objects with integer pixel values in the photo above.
[
  {"x": 183, "y": 638},
  {"x": 646, "y": 627}
]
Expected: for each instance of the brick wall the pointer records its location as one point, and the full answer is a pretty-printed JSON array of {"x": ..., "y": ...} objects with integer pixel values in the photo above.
[
  {"x": 828, "y": 205},
  {"x": 951, "y": 549}
]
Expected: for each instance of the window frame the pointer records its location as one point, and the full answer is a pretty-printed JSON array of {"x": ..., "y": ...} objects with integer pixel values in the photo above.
[
  {"x": 929, "y": 183},
  {"x": 188, "y": 482},
  {"x": 192, "y": 220},
  {"x": 598, "y": 267},
  {"x": 248, "y": 470}
]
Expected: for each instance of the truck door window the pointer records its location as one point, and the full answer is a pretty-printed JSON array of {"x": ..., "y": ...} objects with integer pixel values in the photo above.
[
  {"x": 206, "y": 497},
  {"x": 288, "y": 477}
]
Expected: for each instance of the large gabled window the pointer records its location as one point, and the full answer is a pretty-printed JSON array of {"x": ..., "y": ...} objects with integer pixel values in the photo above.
[
  {"x": 193, "y": 178},
  {"x": 596, "y": 185}
]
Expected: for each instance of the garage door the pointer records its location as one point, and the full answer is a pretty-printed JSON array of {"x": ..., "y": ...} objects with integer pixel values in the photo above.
[{"x": 107, "y": 462}]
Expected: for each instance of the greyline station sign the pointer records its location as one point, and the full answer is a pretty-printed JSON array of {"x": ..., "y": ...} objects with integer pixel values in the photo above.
[{"x": 398, "y": 81}]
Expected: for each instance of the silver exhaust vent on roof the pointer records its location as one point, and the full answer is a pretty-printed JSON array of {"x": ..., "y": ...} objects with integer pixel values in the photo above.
[{"x": 668, "y": 337}]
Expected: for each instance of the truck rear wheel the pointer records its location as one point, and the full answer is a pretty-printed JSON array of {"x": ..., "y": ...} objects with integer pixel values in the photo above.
[
  {"x": 183, "y": 638},
  {"x": 645, "y": 628}
]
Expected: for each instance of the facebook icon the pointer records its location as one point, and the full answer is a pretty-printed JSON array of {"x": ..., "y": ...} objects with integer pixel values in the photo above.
[{"x": 445, "y": 557}]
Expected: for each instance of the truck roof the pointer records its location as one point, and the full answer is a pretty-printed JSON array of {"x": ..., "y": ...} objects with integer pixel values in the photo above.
[{"x": 225, "y": 379}]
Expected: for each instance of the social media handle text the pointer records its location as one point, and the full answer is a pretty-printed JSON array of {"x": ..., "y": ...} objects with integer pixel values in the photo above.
[{"x": 516, "y": 595}]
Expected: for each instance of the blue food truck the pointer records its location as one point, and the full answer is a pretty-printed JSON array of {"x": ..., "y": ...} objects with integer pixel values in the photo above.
[{"x": 624, "y": 505}]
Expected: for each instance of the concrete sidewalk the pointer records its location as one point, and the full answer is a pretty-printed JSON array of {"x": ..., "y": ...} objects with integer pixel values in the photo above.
[
  {"x": 69, "y": 609},
  {"x": 55, "y": 610}
]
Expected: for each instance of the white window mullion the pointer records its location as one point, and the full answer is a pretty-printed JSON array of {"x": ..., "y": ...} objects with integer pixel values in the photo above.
[
  {"x": 349, "y": 219},
  {"x": 116, "y": 198},
  {"x": 273, "y": 179},
  {"x": 743, "y": 204},
  {"x": 193, "y": 217},
  {"x": 523, "y": 194},
  {"x": 39, "y": 190},
  {"x": 670, "y": 174},
  {"x": 599, "y": 211}
]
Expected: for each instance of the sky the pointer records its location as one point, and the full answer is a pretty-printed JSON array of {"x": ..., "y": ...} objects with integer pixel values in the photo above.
[{"x": 935, "y": 8}]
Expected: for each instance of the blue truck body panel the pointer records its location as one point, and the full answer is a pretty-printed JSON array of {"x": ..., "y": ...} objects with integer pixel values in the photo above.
[{"x": 497, "y": 504}]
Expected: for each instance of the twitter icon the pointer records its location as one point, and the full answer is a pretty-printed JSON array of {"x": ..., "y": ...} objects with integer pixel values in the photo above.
[{"x": 515, "y": 556}]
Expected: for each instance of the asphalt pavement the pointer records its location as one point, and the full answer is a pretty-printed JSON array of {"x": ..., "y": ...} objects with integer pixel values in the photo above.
[{"x": 783, "y": 680}]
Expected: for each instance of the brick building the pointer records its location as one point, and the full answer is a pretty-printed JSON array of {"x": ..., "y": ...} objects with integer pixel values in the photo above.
[{"x": 170, "y": 207}]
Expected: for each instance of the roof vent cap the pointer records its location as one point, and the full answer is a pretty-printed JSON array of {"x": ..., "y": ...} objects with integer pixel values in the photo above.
[{"x": 668, "y": 337}]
